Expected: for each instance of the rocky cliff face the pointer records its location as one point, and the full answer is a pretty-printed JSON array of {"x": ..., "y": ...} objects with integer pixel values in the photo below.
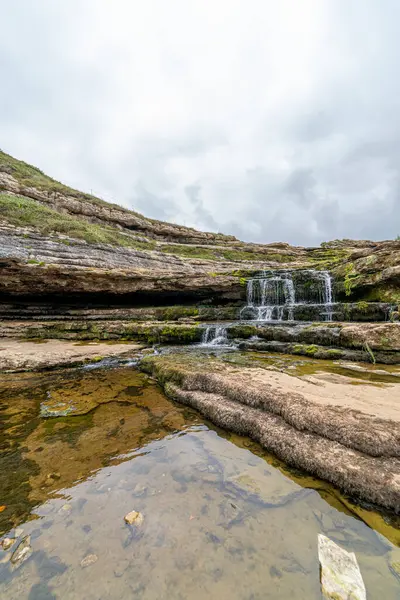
[{"x": 59, "y": 244}]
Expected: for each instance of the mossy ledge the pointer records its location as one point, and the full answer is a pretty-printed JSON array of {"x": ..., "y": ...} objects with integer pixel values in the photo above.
[{"x": 350, "y": 341}]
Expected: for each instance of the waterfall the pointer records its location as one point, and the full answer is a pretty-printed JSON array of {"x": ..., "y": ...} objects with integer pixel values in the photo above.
[
  {"x": 327, "y": 294},
  {"x": 278, "y": 295},
  {"x": 215, "y": 335}
]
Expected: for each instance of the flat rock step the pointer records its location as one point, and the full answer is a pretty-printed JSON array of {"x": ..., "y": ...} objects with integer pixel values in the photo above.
[
  {"x": 340, "y": 312},
  {"x": 324, "y": 458}
]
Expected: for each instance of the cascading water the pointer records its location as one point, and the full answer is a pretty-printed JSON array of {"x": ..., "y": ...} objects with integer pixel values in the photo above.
[
  {"x": 279, "y": 295},
  {"x": 215, "y": 335}
]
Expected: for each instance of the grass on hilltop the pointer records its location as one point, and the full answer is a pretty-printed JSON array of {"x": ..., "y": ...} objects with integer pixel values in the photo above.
[
  {"x": 24, "y": 212},
  {"x": 31, "y": 176}
]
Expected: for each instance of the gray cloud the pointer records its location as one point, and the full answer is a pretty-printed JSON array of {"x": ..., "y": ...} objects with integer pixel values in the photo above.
[{"x": 271, "y": 121}]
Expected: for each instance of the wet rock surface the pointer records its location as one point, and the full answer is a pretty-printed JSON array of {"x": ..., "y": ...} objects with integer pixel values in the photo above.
[
  {"x": 340, "y": 574},
  {"x": 30, "y": 355},
  {"x": 339, "y": 432}
]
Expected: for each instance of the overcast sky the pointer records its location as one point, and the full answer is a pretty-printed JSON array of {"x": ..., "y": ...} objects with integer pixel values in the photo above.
[{"x": 271, "y": 120}]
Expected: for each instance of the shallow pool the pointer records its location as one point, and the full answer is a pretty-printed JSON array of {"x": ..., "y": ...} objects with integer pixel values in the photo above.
[{"x": 221, "y": 517}]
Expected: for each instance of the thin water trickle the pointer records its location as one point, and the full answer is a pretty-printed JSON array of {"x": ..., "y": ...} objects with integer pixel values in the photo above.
[{"x": 215, "y": 335}]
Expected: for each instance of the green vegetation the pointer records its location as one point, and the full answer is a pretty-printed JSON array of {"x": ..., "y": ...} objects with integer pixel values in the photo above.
[
  {"x": 350, "y": 279},
  {"x": 208, "y": 253},
  {"x": 24, "y": 212},
  {"x": 30, "y": 176},
  {"x": 191, "y": 251},
  {"x": 242, "y": 331},
  {"x": 362, "y": 306},
  {"x": 384, "y": 293},
  {"x": 239, "y": 255},
  {"x": 371, "y": 354},
  {"x": 327, "y": 258},
  {"x": 173, "y": 313},
  {"x": 311, "y": 349}
]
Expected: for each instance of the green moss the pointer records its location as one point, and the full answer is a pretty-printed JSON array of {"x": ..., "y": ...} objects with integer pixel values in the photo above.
[
  {"x": 384, "y": 293},
  {"x": 351, "y": 278},
  {"x": 333, "y": 353},
  {"x": 327, "y": 258},
  {"x": 173, "y": 313},
  {"x": 362, "y": 306},
  {"x": 24, "y": 212},
  {"x": 234, "y": 255},
  {"x": 304, "y": 349},
  {"x": 239, "y": 255},
  {"x": 311, "y": 350},
  {"x": 242, "y": 331},
  {"x": 191, "y": 251}
]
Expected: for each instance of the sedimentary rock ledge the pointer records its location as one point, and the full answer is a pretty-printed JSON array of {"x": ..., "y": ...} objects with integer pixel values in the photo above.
[
  {"x": 17, "y": 355},
  {"x": 368, "y": 342},
  {"x": 348, "y": 435}
]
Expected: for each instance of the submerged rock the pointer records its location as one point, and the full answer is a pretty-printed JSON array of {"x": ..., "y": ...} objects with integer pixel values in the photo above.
[
  {"x": 394, "y": 562},
  {"x": 340, "y": 575},
  {"x": 22, "y": 552},
  {"x": 90, "y": 559},
  {"x": 7, "y": 543},
  {"x": 134, "y": 518}
]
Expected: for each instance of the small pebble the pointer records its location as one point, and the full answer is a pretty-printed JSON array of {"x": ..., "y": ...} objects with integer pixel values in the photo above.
[
  {"x": 65, "y": 509},
  {"x": 134, "y": 518},
  {"x": 90, "y": 559},
  {"x": 22, "y": 552},
  {"x": 7, "y": 543}
]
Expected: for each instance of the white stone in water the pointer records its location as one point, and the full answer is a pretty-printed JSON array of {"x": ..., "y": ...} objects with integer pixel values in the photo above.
[
  {"x": 340, "y": 575},
  {"x": 90, "y": 559},
  {"x": 22, "y": 552},
  {"x": 7, "y": 543}
]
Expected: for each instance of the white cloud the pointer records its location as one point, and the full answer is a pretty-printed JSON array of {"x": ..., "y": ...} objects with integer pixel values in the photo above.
[{"x": 283, "y": 116}]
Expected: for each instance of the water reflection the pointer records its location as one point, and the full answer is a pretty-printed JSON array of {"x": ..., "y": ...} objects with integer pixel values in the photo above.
[{"x": 221, "y": 517}]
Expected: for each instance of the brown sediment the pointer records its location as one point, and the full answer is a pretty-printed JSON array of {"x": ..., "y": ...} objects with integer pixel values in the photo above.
[{"x": 356, "y": 450}]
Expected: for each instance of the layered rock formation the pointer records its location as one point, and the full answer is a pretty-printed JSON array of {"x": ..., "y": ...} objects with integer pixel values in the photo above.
[
  {"x": 58, "y": 242},
  {"x": 74, "y": 267}
]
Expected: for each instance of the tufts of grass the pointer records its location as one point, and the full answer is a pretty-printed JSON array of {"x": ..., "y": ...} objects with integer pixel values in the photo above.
[
  {"x": 31, "y": 176},
  {"x": 233, "y": 254},
  {"x": 24, "y": 212}
]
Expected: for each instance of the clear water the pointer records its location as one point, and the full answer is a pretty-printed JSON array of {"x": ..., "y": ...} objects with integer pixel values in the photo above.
[{"x": 222, "y": 518}]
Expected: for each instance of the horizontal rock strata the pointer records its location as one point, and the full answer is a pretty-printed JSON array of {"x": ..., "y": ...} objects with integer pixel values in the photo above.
[
  {"x": 370, "y": 342},
  {"x": 57, "y": 240}
]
